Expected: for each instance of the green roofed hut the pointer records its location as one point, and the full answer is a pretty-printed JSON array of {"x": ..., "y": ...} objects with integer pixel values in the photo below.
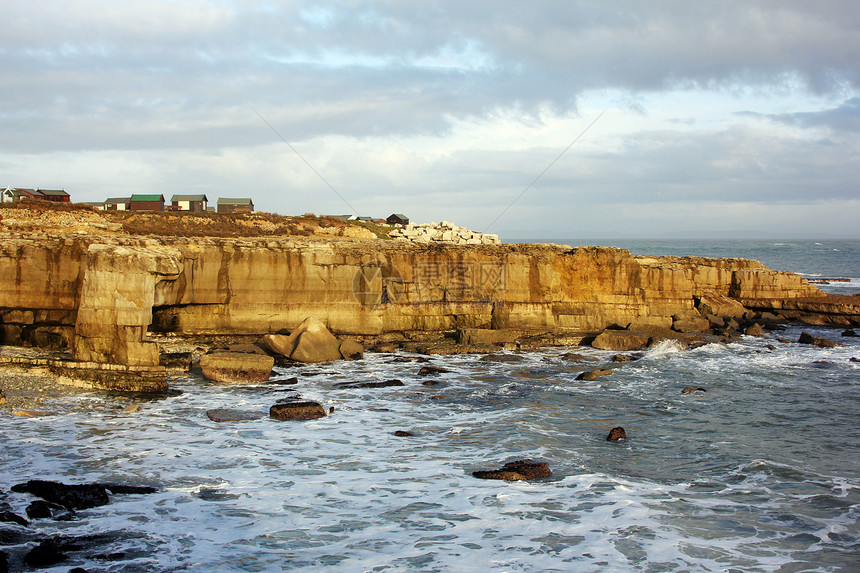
[
  {"x": 146, "y": 203},
  {"x": 233, "y": 205}
]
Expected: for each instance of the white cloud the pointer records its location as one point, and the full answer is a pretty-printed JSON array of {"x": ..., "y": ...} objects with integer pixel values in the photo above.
[{"x": 444, "y": 109}]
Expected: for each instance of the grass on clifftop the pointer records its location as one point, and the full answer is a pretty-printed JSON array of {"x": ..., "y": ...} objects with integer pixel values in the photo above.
[{"x": 186, "y": 224}]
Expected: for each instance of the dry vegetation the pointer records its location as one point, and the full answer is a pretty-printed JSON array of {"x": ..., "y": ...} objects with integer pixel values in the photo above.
[{"x": 79, "y": 218}]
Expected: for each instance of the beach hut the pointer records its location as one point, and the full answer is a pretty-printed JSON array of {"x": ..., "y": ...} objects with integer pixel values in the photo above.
[
  {"x": 146, "y": 203},
  {"x": 235, "y": 205},
  {"x": 193, "y": 203}
]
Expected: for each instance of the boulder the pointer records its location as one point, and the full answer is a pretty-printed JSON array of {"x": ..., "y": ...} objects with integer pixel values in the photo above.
[
  {"x": 236, "y": 367},
  {"x": 351, "y": 350},
  {"x": 297, "y": 411},
  {"x": 226, "y": 415},
  {"x": 572, "y": 356},
  {"x": 690, "y": 323},
  {"x": 720, "y": 305},
  {"x": 806, "y": 338},
  {"x": 849, "y": 333},
  {"x": 615, "y": 434},
  {"x": 620, "y": 340},
  {"x": 755, "y": 329},
  {"x": 593, "y": 374},
  {"x": 310, "y": 342},
  {"x": 517, "y": 471}
]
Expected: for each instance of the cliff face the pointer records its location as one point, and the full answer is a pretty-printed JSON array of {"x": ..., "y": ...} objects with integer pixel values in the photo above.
[{"x": 102, "y": 294}]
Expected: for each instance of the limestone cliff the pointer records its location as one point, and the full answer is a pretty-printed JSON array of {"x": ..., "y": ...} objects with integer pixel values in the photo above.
[{"x": 103, "y": 294}]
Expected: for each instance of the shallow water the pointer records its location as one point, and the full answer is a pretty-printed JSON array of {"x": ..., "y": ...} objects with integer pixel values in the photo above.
[{"x": 758, "y": 473}]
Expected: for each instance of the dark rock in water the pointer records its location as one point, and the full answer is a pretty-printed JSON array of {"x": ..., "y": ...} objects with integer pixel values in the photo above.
[
  {"x": 41, "y": 509},
  {"x": 121, "y": 488},
  {"x": 225, "y": 415},
  {"x": 806, "y": 338},
  {"x": 285, "y": 381},
  {"x": 593, "y": 374},
  {"x": 854, "y": 359},
  {"x": 4, "y": 562},
  {"x": 625, "y": 357},
  {"x": 502, "y": 358},
  {"x": 385, "y": 384},
  {"x": 770, "y": 346},
  {"x": 215, "y": 494},
  {"x": 572, "y": 356},
  {"x": 428, "y": 370},
  {"x": 45, "y": 554},
  {"x": 849, "y": 333},
  {"x": 403, "y": 434},
  {"x": 755, "y": 329},
  {"x": 297, "y": 411},
  {"x": 10, "y": 517},
  {"x": 79, "y": 496},
  {"x": 615, "y": 434},
  {"x": 78, "y": 570},
  {"x": 384, "y": 347},
  {"x": 430, "y": 383},
  {"x": 517, "y": 471},
  {"x": 688, "y": 389}
]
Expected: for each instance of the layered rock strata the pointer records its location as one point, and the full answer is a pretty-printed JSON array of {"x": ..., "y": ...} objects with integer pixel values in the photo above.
[{"x": 104, "y": 295}]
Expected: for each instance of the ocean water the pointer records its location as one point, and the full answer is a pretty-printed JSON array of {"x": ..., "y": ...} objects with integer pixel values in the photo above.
[{"x": 759, "y": 472}]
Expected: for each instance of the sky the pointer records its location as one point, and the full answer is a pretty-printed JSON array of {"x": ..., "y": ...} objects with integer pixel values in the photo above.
[{"x": 625, "y": 119}]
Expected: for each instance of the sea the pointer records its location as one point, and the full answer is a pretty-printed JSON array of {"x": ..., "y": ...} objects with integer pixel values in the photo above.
[{"x": 759, "y": 471}]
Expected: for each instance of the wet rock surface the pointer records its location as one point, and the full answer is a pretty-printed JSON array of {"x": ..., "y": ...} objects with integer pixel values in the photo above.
[{"x": 517, "y": 471}]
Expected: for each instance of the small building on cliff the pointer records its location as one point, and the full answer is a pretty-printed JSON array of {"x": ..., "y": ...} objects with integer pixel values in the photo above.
[
  {"x": 146, "y": 203},
  {"x": 117, "y": 204},
  {"x": 192, "y": 203},
  {"x": 397, "y": 219},
  {"x": 55, "y": 195},
  {"x": 235, "y": 205},
  {"x": 12, "y": 194}
]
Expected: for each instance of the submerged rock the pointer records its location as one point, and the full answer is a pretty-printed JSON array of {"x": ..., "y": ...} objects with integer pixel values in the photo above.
[
  {"x": 385, "y": 384},
  {"x": 225, "y": 415},
  {"x": 615, "y": 434},
  {"x": 428, "y": 370},
  {"x": 806, "y": 338},
  {"x": 688, "y": 389},
  {"x": 594, "y": 374},
  {"x": 45, "y": 554},
  {"x": 297, "y": 411},
  {"x": 78, "y": 496},
  {"x": 517, "y": 471}
]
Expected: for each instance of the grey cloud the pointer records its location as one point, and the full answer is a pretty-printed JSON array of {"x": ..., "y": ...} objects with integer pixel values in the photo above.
[{"x": 383, "y": 67}]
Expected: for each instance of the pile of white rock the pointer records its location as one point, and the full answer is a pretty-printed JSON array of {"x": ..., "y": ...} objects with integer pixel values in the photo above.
[{"x": 444, "y": 232}]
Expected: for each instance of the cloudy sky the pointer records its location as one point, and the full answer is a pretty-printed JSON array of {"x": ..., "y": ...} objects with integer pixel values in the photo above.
[{"x": 665, "y": 118}]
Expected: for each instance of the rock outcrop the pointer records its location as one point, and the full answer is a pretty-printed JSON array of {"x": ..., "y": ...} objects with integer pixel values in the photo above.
[
  {"x": 109, "y": 298},
  {"x": 236, "y": 367},
  {"x": 443, "y": 232}
]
